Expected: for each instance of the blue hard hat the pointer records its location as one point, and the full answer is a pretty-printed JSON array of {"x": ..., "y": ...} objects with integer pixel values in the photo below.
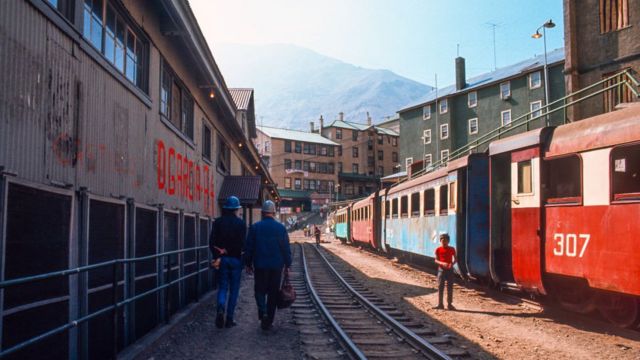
[
  {"x": 232, "y": 203},
  {"x": 269, "y": 207}
]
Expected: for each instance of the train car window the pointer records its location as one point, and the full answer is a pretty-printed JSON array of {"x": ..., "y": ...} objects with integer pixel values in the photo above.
[
  {"x": 387, "y": 209},
  {"x": 625, "y": 172},
  {"x": 563, "y": 180},
  {"x": 443, "y": 199},
  {"x": 394, "y": 209},
  {"x": 429, "y": 202},
  {"x": 415, "y": 204},
  {"x": 525, "y": 179},
  {"x": 453, "y": 193},
  {"x": 404, "y": 206}
]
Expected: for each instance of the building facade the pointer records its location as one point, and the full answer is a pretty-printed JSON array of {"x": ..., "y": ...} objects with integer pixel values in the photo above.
[
  {"x": 451, "y": 117},
  {"x": 303, "y": 164},
  {"x": 117, "y": 135},
  {"x": 601, "y": 39}
]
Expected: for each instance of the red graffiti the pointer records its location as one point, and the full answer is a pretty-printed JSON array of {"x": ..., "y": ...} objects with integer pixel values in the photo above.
[{"x": 178, "y": 176}]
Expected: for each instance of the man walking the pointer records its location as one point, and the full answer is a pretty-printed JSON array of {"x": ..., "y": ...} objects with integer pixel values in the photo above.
[
  {"x": 445, "y": 258},
  {"x": 225, "y": 243},
  {"x": 266, "y": 252}
]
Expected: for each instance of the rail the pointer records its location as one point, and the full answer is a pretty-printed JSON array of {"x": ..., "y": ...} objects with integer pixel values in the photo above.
[
  {"x": 115, "y": 304},
  {"x": 623, "y": 79},
  {"x": 412, "y": 337}
]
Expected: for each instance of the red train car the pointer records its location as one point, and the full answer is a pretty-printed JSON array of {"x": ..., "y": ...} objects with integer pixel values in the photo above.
[
  {"x": 362, "y": 228},
  {"x": 574, "y": 200}
]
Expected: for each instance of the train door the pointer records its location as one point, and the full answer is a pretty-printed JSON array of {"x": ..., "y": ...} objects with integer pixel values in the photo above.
[
  {"x": 526, "y": 228},
  {"x": 500, "y": 228}
]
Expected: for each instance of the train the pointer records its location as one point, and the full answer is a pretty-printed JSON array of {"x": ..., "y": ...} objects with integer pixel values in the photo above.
[{"x": 550, "y": 212}]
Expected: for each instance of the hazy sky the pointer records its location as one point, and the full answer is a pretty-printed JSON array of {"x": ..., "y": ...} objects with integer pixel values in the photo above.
[{"x": 413, "y": 38}]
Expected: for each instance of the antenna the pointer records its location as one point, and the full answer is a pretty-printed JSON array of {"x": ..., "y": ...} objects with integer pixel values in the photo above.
[{"x": 493, "y": 27}]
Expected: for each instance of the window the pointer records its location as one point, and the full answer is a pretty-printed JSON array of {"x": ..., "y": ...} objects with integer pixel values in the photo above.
[
  {"x": 312, "y": 184},
  {"x": 472, "y": 99},
  {"x": 354, "y": 168},
  {"x": 110, "y": 34},
  {"x": 429, "y": 202},
  {"x": 563, "y": 180},
  {"x": 323, "y": 150},
  {"x": 298, "y": 148},
  {"x": 427, "y": 159},
  {"x": 267, "y": 146},
  {"x": 415, "y": 204},
  {"x": 394, "y": 156},
  {"x": 64, "y": 7},
  {"x": 330, "y": 168},
  {"x": 380, "y": 139},
  {"x": 380, "y": 171},
  {"x": 176, "y": 104},
  {"x": 525, "y": 179},
  {"x": 404, "y": 206},
  {"x": 426, "y": 112},
  {"x": 394, "y": 207},
  {"x": 506, "y": 117},
  {"x": 444, "y": 195},
  {"x": 380, "y": 155},
  {"x": 338, "y": 133},
  {"x": 287, "y": 146},
  {"x": 617, "y": 94},
  {"x": 224, "y": 156},
  {"x": 535, "y": 80},
  {"x": 444, "y": 131},
  {"x": 348, "y": 188},
  {"x": 394, "y": 141},
  {"x": 339, "y": 167},
  {"x": 312, "y": 166},
  {"x": 287, "y": 183},
  {"x": 444, "y": 106},
  {"x": 625, "y": 172},
  {"x": 407, "y": 162},
  {"x": 305, "y": 166},
  {"x": 452, "y": 195},
  {"x": 354, "y": 135},
  {"x": 287, "y": 164},
  {"x": 614, "y": 15},
  {"x": 473, "y": 126},
  {"x": 505, "y": 90},
  {"x": 535, "y": 109},
  {"x": 297, "y": 183},
  {"x": 426, "y": 136},
  {"x": 206, "y": 141},
  {"x": 444, "y": 155},
  {"x": 354, "y": 152},
  {"x": 340, "y": 150},
  {"x": 387, "y": 209},
  {"x": 370, "y": 161},
  {"x": 331, "y": 151},
  {"x": 298, "y": 164}
]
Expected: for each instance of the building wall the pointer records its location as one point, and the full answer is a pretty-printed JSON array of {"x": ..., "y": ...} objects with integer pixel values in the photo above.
[
  {"x": 592, "y": 54},
  {"x": 487, "y": 111}
]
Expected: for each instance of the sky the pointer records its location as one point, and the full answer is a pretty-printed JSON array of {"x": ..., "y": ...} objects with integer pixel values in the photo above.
[{"x": 416, "y": 39}]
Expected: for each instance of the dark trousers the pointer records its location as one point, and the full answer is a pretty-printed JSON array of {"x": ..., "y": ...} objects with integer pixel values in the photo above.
[
  {"x": 267, "y": 287},
  {"x": 445, "y": 275},
  {"x": 230, "y": 274}
]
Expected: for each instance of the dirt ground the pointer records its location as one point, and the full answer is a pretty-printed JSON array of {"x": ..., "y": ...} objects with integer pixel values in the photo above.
[
  {"x": 504, "y": 327},
  {"x": 198, "y": 338}
]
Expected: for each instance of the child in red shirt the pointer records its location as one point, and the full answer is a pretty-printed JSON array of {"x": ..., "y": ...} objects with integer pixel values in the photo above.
[{"x": 445, "y": 258}]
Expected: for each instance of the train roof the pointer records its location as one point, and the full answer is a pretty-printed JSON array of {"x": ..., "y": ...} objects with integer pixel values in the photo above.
[
  {"x": 364, "y": 201},
  {"x": 518, "y": 141},
  {"x": 612, "y": 128}
]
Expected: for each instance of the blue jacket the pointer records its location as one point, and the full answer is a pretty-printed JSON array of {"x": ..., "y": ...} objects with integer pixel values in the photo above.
[{"x": 267, "y": 245}]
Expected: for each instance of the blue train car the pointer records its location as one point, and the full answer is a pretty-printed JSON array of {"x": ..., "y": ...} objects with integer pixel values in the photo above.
[
  {"x": 416, "y": 212},
  {"x": 342, "y": 224}
]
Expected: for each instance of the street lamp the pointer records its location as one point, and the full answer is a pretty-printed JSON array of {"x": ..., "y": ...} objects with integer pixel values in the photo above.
[{"x": 548, "y": 25}]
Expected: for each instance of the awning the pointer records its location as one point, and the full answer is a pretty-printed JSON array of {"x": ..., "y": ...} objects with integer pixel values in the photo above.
[{"x": 245, "y": 188}]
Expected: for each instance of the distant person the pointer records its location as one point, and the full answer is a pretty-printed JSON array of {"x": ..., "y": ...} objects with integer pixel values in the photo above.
[
  {"x": 226, "y": 242},
  {"x": 445, "y": 258},
  {"x": 316, "y": 233},
  {"x": 267, "y": 252}
]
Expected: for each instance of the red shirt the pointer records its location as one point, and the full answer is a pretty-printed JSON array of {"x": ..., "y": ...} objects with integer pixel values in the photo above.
[{"x": 445, "y": 254}]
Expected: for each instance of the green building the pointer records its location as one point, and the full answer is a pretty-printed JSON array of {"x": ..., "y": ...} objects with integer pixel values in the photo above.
[{"x": 449, "y": 118}]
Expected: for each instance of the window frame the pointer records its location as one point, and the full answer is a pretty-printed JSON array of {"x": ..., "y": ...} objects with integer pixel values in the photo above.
[
  {"x": 355, "y": 152},
  {"x": 620, "y": 197},
  {"x": 207, "y": 151},
  {"x": 408, "y": 161},
  {"x": 412, "y": 211},
  {"x": 533, "y": 86},
  {"x": 444, "y": 102},
  {"x": 166, "y": 108},
  {"x": 539, "y": 102},
  {"x": 471, "y": 132},
  {"x": 426, "y": 211},
  {"x": 287, "y": 146},
  {"x": 424, "y": 136},
  {"x": 622, "y": 20},
  {"x": 502, "y": 117},
  {"x": 426, "y": 112},
  {"x": 443, "y": 157},
  {"x": 446, "y": 128},
  {"x": 566, "y": 200},
  {"x": 475, "y": 102},
  {"x": 430, "y": 161},
  {"x": 504, "y": 96},
  {"x": 287, "y": 183}
]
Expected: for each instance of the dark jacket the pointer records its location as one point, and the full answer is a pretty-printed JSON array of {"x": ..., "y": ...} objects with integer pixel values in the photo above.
[
  {"x": 267, "y": 245},
  {"x": 228, "y": 233}
]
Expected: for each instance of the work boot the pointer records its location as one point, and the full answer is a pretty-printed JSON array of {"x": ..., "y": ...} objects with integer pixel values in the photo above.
[
  {"x": 265, "y": 322},
  {"x": 451, "y": 307},
  {"x": 439, "y": 307},
  {"x": 230, "y": 323},
  {"x": 220, "y": 319}
]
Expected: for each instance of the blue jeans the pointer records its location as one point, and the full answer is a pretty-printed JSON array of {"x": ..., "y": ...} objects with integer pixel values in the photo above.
[{"x": 229, "y": 275}]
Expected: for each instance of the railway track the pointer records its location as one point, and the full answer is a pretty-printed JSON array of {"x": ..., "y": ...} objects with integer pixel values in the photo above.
[{"x": 340, "y": 318}]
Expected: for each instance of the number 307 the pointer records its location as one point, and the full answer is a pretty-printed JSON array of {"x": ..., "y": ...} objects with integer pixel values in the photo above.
[{"x": 567, "y": 244}]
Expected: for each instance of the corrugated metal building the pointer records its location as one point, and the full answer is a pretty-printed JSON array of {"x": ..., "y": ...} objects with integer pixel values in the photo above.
[{"x": 115, "y": 139}]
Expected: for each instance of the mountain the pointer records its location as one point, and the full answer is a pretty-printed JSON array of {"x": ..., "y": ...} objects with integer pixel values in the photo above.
[{"x": 294, "y": 85}]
